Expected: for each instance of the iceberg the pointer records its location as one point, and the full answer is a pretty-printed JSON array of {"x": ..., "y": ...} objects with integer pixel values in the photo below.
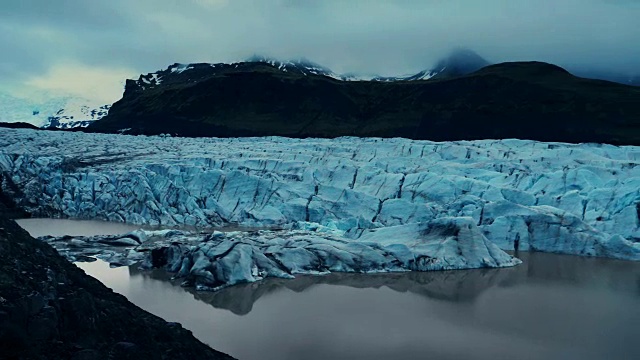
[
  {"x": 581, "y": 199},
  {"x": 210, "y": 261}
]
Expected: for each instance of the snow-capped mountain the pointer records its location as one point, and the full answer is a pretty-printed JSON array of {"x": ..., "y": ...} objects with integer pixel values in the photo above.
[
  {"x": 459, "y": 62},
  {"x": 302, "y": 66},
  {"x": 422, "y": 75},
  {"x": 352, "y": 76},
  {"x": 76, "y": 115},
  {"x": 44, "y": 109},
  {"x": 180, "y": 73},
  {"x": 176, "y": 73}
]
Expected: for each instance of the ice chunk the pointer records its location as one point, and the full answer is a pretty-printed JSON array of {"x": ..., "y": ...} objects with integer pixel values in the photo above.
[{"x": 443, "y": 244}]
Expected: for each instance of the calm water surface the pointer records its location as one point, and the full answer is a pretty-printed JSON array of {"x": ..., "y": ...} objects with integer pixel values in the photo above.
[
  {"x": 60, "y": 227},
  {"x": 550, "y": 307}
]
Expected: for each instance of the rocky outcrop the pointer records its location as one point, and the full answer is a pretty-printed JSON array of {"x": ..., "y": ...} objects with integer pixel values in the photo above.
[
  {"x": 50, "y": 309},
  {"x": 8, "y": 192}
]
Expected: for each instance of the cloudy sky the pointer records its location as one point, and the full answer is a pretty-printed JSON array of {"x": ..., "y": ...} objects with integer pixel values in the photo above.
[{"x": 89, "y": 47}]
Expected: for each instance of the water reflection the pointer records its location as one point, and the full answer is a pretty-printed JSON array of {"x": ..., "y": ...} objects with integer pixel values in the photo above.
[
  {"x": 458, "y": 286},
  {"x": 74, "y": 227},
  {"x": 550, "y": 307},
  {"x": 455, "y": 286},
  {"x": 59, "y": 227}
]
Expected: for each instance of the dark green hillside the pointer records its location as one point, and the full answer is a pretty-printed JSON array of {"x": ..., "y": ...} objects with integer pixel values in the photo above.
[{"x": 529, "y": 100}]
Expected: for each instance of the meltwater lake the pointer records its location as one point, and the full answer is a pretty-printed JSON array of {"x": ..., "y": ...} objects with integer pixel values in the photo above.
[{"x": 550, "y": 307}]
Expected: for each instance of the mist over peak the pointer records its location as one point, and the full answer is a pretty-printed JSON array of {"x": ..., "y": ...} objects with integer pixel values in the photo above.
[{"x": 386, "y": 38}]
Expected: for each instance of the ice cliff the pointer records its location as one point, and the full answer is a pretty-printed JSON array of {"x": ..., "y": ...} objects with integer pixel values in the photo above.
[
  {"x": 554, "y": 197},
  {"x": 218, "y": 259}
]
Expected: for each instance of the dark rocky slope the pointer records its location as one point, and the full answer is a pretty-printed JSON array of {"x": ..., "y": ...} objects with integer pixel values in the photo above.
[
  {"x": 9, "y": 191},
  {"x": 50, "y": 309},
  {"x": 18, "y": 125},
  {"x": 530, "y": 100}
]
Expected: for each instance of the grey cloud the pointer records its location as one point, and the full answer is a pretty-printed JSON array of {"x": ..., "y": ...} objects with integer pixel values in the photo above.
[{"x": 387, "y": 37}]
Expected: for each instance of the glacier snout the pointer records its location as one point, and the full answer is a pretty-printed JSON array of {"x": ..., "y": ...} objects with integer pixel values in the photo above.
[
  {"x": 574, "y": 199},
  {"x": 225, "y": 259}
]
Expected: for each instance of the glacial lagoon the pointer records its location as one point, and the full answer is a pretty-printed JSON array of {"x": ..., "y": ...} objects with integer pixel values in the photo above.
[
  {"x": 550, "y": 307},
  {"x": 60, "y": 227}
]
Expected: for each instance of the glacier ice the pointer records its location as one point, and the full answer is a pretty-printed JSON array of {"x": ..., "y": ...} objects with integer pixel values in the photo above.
[
  {"x": 46, "y": 109},
  {"x": 218, "y": 259},
  {"x": 564, "y": 198}
]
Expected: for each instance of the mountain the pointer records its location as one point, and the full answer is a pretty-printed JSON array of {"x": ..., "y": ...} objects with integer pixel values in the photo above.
[
  {"x": 422, "y": 75},
  {"x": 608, "y": 75},
  {"x": 190, "y": 73},
  {"x": 300, "y": 66},
  {"x": 459, "y": 62},
  {"x": 528, "y": 100},
  {"x": 18, "y": 125},
  {"x": 46, "y": 109},
  {"x": 76, "y": 116}
]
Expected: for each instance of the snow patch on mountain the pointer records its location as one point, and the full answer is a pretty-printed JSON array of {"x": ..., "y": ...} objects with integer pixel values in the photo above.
[
  {"x": 302, "y": 66},
  {"x": 422, "y": 75},
  {"x": 180, "y": 68},
  {"x": 306, "y": 67}
]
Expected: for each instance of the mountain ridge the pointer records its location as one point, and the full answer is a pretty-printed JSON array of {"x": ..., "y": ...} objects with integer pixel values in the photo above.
[
  {"x": 458, "y": 62},
  {"x": 528, "y": 100},
  {"x": 60, "y": 111}
]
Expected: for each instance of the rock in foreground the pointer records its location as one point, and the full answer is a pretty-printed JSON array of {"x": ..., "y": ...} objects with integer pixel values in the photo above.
[{"x": 50, "y": 309}]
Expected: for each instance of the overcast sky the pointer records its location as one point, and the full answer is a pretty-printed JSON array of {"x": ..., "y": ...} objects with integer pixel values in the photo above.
[{"x": 89, "y": 46}]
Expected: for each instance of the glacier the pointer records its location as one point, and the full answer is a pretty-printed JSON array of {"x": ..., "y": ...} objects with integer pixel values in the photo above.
[
  {"x": 211, "y": 261},
  {"x": 46, "y": 109},
  {"x": 521, "y": 195}
]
